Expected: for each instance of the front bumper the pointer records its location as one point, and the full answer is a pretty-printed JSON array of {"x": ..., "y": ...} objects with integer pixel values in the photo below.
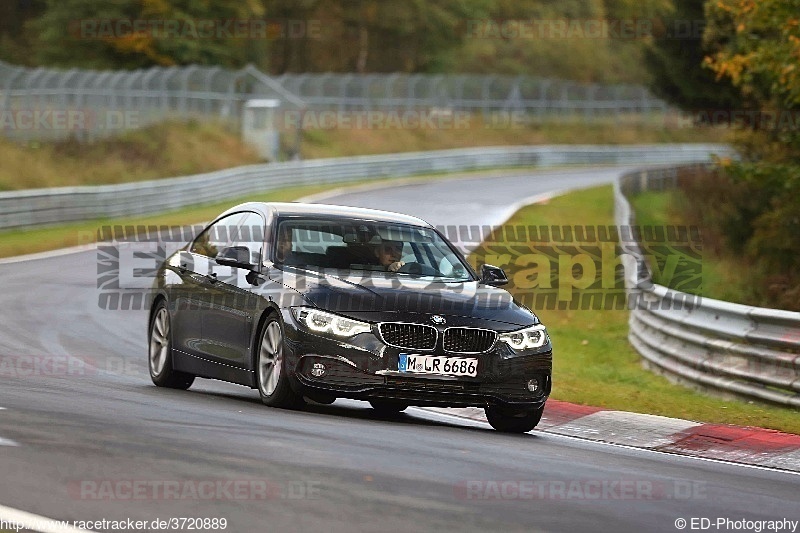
[{"x": 364, "y": 368}]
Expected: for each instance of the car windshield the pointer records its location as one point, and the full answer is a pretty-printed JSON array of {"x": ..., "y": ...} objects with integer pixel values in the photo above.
[{"x": 369, "y": 247}]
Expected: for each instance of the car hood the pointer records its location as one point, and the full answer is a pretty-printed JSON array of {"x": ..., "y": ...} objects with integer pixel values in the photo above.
[{"x": 378, "y": 297}]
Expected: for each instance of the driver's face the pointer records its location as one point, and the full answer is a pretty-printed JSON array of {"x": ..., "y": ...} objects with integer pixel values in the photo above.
[
  {"x": 284, "y": 247},
  {"x": 389, "y": 252}
]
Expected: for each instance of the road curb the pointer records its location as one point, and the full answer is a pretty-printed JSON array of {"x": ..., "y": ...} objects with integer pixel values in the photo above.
[{"x": 738, "y": 444}]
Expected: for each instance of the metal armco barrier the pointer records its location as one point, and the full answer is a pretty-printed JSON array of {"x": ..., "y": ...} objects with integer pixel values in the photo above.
[
  {"x": 737, "y": 350},
  {"x": 40, "y": 207}
]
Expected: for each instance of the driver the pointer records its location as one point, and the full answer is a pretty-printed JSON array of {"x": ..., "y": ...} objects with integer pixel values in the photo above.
[
  {"x": 283, "y": 249},
  {"x": 388, "y": 254}
]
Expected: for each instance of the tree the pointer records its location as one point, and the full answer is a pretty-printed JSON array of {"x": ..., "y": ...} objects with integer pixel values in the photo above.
[
  {"x": 14, "y": 39},
  {"x": 370, "y": 35},
  {"x": 91, "y": 34},
  {"x": 675, "y": 61},
  {"x": 754, "y": 46},
  {"x": 529, "y": 37}
]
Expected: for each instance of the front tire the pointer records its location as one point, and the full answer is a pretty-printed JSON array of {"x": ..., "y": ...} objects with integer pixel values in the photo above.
[
  {"x": 507, "y": 421},
  {"x": 273, "y": 380},
  {"x": 160, "y": 353}
]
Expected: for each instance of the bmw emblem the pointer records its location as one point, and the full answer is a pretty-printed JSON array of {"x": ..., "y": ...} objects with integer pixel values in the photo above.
[{"x": 438, "y": 319}]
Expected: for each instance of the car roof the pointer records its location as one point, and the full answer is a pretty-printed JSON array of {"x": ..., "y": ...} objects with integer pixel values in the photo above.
[{"x": 296, "y": 209}]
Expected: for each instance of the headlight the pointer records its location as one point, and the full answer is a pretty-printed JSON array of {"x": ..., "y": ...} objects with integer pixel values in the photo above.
[
  {"x": 524, "y": 339},
  {"x": 323, "y": 322}
]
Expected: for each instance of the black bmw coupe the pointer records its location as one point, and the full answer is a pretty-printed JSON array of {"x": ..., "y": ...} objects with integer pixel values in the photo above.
[{"x": 318, "y": 302}]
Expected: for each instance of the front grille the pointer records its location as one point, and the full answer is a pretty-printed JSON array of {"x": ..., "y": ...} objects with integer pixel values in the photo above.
[
  {"x": 411, "y": 336},
  {"x": 468, "y": 340},
  {"x": 429, "y": 385}
]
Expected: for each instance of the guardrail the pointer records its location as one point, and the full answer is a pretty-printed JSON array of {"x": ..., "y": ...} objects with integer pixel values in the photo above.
[
  {"x": 722, "y": 347},
  {"x": 40, "y": 207}
]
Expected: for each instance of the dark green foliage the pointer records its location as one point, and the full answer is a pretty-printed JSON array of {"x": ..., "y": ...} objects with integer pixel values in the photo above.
[
  {"x": 337, "y": 36},
  {"x": 82, "y": 33},
  {"x": 675, "y": 61},
  {"x": 15, "y": 39},
  {"x": 751, "y": 211}
]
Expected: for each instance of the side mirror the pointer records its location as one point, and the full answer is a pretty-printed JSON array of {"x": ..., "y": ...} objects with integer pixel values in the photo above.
[
  {"x": 492, "y": 275},
  {"x": 235, "y": 256}
]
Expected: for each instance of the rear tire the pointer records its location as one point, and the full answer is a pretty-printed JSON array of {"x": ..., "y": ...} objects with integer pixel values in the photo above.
[
  {"x": 271, "y": 373},
  {"x": 386, "y": 407},
  {"x": 160, "y": 353},
  {"x": 507, "y": 421}
]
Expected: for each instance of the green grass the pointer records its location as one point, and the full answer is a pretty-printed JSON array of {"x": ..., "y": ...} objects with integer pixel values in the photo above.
[
  {"x": 158, "y": 151},
  {"x": 177, "y": 148},
  {"x": 343, "y": 142},
  {"x": 595, "y": 365}
]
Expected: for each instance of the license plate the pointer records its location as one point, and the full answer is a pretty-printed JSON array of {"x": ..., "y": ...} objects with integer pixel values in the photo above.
[{"x": 433, "y": 364}]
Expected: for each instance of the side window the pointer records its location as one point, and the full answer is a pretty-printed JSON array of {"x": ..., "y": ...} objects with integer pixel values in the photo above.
[
  {"x": 314, "y": 240},
  {"x": 251, "y": 235},
  {"x": 217, "y": 236}
]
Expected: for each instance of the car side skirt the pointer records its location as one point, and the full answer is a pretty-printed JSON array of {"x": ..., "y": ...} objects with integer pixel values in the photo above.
[{"x": 206, "y": 368}]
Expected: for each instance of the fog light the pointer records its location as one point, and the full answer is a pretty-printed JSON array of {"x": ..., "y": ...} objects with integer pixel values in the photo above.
[
  {"x": 533, "y": 385},
  {"x": 318, "y": 370}
]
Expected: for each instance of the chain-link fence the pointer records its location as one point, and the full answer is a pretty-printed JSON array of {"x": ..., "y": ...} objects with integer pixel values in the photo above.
[
  {"x": 49, "y": 104},
  {"x": 476, "y": 93}
]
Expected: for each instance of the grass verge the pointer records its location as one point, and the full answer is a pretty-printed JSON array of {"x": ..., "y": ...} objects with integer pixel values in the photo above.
[
  {"x": 179, "y": 148},
  {"x": 342, "y": 142},
  {"x": 159, "y": 151},
  {"x": 721, "y": 275},
  {"x": 593, "y": 362}
]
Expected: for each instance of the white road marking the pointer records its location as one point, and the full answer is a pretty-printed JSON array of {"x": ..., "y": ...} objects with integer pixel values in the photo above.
[
  {"x": 530, "y": 200},
  {"x": 30, "y": 521},
  {"x": 391, "y": 183},
  {"x": 6, "y": 442},
  {"x": 48, "y": 254}
]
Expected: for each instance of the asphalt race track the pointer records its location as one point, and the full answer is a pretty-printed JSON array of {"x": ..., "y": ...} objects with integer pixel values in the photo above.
[{"x": 84, "y": 435}]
